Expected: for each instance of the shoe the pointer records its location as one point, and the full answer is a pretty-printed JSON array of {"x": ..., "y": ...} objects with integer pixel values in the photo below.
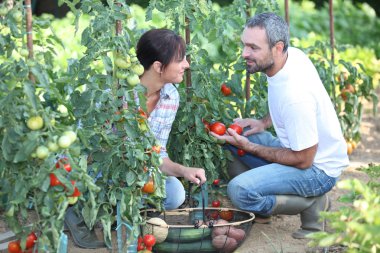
[
  {"x": 309, "y": 208},
  {"x": 81, "y": 234}
]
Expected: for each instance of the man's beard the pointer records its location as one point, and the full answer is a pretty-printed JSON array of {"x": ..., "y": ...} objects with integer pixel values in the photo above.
[{"x": 264, "y": 67}]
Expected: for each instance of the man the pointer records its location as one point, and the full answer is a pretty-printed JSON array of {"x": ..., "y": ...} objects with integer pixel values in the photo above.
[{"x": 295, "y": 169}]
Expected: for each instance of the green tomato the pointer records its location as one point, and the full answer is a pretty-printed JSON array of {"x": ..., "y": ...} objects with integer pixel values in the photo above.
[
  {"x": 138, "y": 69},
  {"x": 42, "y": 152},
  {"x": 17, "y": 16},
  {"x": 72, "y": 200},
  {"x": 3, "y": 11},
  {"x": 133, "y": 79},
  {"x": 24, "y": 52},
  {"x": 71, "y": 134},
  {"x": 64, "y": 141},
  {"x": 121, "y": 63},
  {"x": 63, "y": 110},
  {"x": 35, "y": 123},
  {"x": 121, "y": 75},
  {"x": 52, "y": 146}
]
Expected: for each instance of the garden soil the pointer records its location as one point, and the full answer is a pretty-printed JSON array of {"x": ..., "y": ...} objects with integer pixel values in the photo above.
[{"x": 276, "y": 236}]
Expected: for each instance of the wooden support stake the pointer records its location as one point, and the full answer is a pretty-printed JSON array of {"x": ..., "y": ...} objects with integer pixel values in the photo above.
[{"x": 29, "y": 33}]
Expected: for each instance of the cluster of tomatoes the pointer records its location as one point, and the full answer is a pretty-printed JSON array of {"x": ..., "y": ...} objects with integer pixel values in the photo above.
[
  {"x": 63, "y": 163},
  {"x": 129, "y": 67},
  {"x": 146, "y": 243},
  {"x": 15, "y": 246},
  {"x": 220, "y": 129},
  {"x": 64, "y": 141},
  {"x": 227, "y": 215}
]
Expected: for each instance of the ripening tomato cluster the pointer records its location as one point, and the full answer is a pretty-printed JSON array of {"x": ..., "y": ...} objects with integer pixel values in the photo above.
[
  {"x": 63, "y": 163},
  {"x": 129, "y": 67},
  {"x": 146, "y": 243},
  {"x": 15, "y": 246}
]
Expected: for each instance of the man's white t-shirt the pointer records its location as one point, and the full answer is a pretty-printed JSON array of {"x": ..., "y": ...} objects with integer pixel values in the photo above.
[{"x": 303, "y": 114}]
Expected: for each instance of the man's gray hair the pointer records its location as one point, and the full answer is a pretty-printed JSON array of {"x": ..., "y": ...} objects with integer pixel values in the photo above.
[{"x": 275, "y": 27}]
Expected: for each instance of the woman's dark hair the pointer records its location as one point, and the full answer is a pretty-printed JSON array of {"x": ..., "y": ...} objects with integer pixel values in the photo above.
[{"x": 161, "y": 45}]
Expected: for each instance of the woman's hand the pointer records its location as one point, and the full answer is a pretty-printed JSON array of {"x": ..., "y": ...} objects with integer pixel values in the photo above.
[{"x": 195, "y": 175}]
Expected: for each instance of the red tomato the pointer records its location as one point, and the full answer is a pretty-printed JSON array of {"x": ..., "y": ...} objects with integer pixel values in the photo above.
[
  {"x": 14, "y": 247},
  {"x": 215, "y": 203},
  {"x": 76, "y": 192},
  {"x": 140, "y": 240},
  {"x": 140, "y": 246},
  {"x": 214, "y": 215},
  {"x": 240, "y": 152},
  {"x": 238, "y": 129},
  {"x": 226, "y": 215},
  {"x": 156, "y": 149},
  {"x": 31, "y": 240},
  {"x": 148, "y": 187},
  {"x": 225, "y": 90},
  {"x": 216, "y": 182},
  {"x": 149, "y": 240},
  {"x": 218, "y": 128},
  {"x": 54, "y": 181},
  {"x": 63, "y": 162}
]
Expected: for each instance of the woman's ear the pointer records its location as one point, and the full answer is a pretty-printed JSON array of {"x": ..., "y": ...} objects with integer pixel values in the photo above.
[{"x": 157, "y": 66}]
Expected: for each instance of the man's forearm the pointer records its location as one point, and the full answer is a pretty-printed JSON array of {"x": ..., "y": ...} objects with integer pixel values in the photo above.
[{"x": 299, "y": 159}]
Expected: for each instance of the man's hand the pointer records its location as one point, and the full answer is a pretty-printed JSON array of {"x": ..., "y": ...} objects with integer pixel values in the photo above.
[
  {"x": 195, "y": 175},
  {"x": 256, "y": 126},
  {"x": 233, "y": 138}
]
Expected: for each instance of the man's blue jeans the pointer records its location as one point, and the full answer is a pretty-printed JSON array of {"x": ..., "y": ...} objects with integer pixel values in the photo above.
[{"x": 255, "y": 190}]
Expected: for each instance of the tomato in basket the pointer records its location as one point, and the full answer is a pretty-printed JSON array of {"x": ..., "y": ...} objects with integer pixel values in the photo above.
[{"x": 226, "y": 215}]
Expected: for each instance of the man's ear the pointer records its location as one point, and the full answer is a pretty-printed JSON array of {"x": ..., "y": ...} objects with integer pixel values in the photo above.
[
  {"x": 279, "y": 47},
  {"x": 157, "y": 66}
]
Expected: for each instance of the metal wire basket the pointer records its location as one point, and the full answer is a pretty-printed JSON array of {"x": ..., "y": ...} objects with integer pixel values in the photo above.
[{"x": 198, "y": 229}]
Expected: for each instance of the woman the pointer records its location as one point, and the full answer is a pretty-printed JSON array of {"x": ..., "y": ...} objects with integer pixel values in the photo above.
[{"x": 162, "y": 54}]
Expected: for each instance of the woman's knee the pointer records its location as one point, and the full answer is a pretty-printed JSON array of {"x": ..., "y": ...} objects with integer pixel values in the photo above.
[{"x": 175, "y": 193}]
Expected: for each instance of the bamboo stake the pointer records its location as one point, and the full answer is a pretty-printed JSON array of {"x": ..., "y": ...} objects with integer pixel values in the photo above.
[
  {"x": 188, "y": 58},
  {"x": 332, "y": 44},
  {"x": 29, "y": 33},
  {"x": 248, "y": 75}
]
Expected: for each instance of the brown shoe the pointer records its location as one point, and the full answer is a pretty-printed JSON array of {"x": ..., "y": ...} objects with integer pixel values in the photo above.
[{"x": 260, "y": 219}]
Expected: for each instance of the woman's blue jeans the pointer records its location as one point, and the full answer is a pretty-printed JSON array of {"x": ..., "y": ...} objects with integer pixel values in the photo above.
[
  {"x": 255, "y": 190},
  {"x": 175, "y": 193}
]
